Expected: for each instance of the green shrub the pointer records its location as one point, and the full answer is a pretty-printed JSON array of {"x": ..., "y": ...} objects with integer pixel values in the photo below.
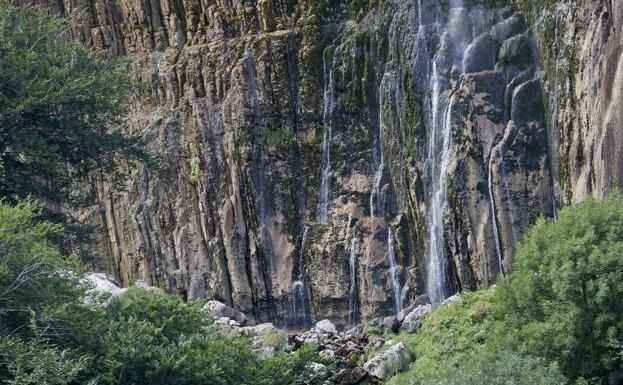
[
  {"x": 270, "y": 138},
  {"x": 500, "y": 368}
]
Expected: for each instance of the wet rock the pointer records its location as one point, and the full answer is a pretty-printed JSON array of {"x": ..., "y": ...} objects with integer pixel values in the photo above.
[
  {"x": 392, "y": 361},
  {"x": 480, "y": 55},
  {"x": 225, "y": 218},
  {"x": 527, "y": 103},
  {"x": 516, "y": 51},
  {"x": 514, "y": 25}
]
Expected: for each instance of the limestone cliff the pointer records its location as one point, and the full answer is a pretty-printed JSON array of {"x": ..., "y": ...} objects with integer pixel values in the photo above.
[{"x": 336, "y": 159}]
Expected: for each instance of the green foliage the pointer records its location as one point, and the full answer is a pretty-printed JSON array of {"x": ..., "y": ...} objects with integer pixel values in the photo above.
[
  {"x": 195, "y": 170},
  {"x": 565, "y": 298},
  {"x": 34, "y": 279},
  {"x": 48, "y": 335},
  {"x": 277, "y": 138},
  {"x": 501, "y": 368},
  {"x": 36, "y": 362},
  {"x": 558, "y": 314},
  {"x": 59, "y": 106}
]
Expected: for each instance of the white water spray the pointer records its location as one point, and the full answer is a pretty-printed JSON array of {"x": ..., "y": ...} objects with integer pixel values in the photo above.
[
  {"x": 391, "y": 255},
  {"x": 375, "y": 195},
  {"x": 494, "y": 221},
  {"x": 299, "y": 311},
  {"x": 353, "y": 311},
  {"x": 327, "y": 116}
]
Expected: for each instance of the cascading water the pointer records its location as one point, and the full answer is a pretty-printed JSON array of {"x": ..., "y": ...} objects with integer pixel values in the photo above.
[
  {"x": 353, "y": 311},
  {"x": 448, "y": 59},
  {"x": 299, "y": 308},
  {"x": 391, "y": 255},
  {"x": 554, "y": 102},
  {"x": 265, "y": 246},
  {"x": 375, "y": 195},
  {"x": 328, "y": 107},
  {"x": 494, "y": 221},
  {"x": 258, "y": 177},
  {"x": 436, "y": 282}
]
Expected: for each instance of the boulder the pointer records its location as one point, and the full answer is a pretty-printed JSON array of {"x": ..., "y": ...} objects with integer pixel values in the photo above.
[
  {"x": 480, "y": 55},
  {"x": 452, "y": 299},
  {"x": 412, "y": 321},
  {"x": 348, "y": 376},
  {"x": 516, "y": 51},
  {"x": 266, "y": 339},
  {"x": 387, "y": 363},
  {"x": 317, "y": 369},
  {"x": 391, "y": 323},
  {"x": 219, "y": 310},
  {"x": 419, "y": 301},
  {"x": 326, "y": 326},
  {"x": 509, "y": 27},
  {"x": 375, "y": 322},
  {"x": 100, "y": 283},
  {"x": 140, "y": 284}
]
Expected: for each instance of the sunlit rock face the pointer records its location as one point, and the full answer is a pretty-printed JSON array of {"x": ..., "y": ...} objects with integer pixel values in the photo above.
[{"x": 323, "y": 160}]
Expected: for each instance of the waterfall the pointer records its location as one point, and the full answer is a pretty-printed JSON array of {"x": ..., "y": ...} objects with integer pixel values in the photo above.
[
  {"x": 375, "y": 195},
  {"x": 299, "y": 308},
  {"x": 353, "y": 311},
  {"x": 327, "y": 117},
  {"x": 511, "y": 207},
  {"x": 436, "y": 280},
  {"x": 258, "y": 182},
  {"x": 494, "y": 221},
  {"x": 554, "y": 100},
  {"x": 391, "y": 255},
  {"x": 449, "y": 56}
]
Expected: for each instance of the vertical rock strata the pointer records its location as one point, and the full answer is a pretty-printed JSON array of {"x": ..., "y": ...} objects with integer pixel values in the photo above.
[{"x": 296, "y": 136}]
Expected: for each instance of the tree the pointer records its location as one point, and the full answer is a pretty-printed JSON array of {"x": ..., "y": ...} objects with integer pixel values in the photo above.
[
  {"x": 565, "y": 299},
  {"x": 34, "y": 279},
  {"x": 60, "y": 108}
]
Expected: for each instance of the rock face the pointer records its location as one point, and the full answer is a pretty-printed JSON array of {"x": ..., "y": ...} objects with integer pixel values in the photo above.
[
  {"x": 581, "y": 50},
  {"x": 330, "y": 160}
]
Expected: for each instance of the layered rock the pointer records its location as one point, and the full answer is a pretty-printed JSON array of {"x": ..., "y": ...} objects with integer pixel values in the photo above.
[
  {"x": 581, "y": 51},
  {"x": 333, "y": 161}
]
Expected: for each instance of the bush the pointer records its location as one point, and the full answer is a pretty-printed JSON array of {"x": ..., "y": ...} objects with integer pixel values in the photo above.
[{"x": 500, "y": 368}]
